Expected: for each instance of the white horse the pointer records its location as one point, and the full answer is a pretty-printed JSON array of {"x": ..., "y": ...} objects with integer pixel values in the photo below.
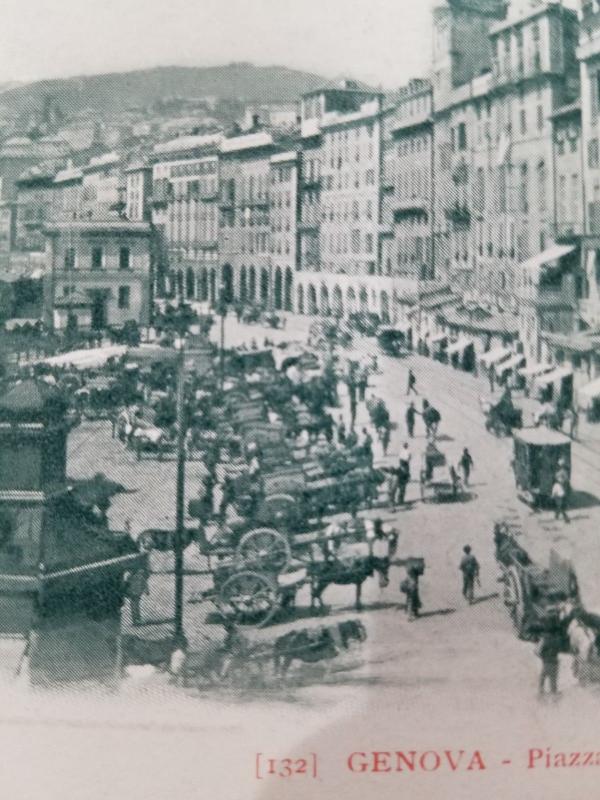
[{"x": 583, "y": 647}]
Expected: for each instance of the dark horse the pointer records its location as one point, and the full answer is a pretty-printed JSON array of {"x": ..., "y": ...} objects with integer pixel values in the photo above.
[
  {"x": 312, "y": 646},
  {"x": 324, "y": 573}
]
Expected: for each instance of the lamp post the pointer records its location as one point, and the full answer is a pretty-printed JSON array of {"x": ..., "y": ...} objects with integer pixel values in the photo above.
[
  {"x": 223, "y": 313},
  {"x": 179, "y": 488}
]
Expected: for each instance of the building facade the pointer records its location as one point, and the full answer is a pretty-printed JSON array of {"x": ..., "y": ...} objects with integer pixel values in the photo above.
[{"x": 99, "y": 271}]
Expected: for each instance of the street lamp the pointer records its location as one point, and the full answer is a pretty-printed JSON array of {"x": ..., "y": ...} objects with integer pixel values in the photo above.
[
  {"x": 178, "y": 543},
  {"x": 222, "y": 308}
]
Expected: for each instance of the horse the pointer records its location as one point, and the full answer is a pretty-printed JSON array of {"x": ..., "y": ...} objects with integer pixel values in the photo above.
[
  {"x": 355, "y": 569},
  {"x": 584, "y": 644},
  {"x": 312, "y": 646}
]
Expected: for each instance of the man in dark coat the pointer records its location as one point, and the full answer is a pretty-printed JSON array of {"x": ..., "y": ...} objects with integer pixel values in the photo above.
[
  {"x": 411, "y": 414},
  {"x": 469, "y": 566}
]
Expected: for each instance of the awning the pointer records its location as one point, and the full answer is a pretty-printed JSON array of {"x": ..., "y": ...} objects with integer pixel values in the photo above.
[
  {"x": 553, "y": 253},
  {"x": 533, "y": 370},
  {"x": 94, "y": 358},
  {"x": 588, "y": 393},
  {"x": 553, "y": 377},
  {"x": 495, "y": 355},
  {"x": 513, "y": 362},
  {"x": 459, "y": 346}
]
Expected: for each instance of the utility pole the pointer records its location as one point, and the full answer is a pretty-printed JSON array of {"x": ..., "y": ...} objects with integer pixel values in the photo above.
[{"x": 179, "y": 488}]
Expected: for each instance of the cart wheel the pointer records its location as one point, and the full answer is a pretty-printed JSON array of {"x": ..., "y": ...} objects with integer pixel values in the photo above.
[
  {"x": 513, "y": 599},
  {"x": 250, "y": 598},
  {"x": 264, "y": 549},
  {"x": 278, "y": 508}
]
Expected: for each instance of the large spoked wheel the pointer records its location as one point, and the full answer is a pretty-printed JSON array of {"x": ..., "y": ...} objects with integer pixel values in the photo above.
[
  {"x": 279, "y": 509},
  {"x": 264, "y": 549},
  {"x": 249, "y": 598},
  {"x": 514, "y": 599}
]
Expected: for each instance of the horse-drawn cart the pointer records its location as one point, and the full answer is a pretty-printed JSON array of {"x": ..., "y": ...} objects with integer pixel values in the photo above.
[
  {"x": 532, "y": 594},
  {"x": 439, "y": 481}
]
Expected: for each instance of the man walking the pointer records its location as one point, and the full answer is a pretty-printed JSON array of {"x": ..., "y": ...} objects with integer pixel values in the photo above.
[
  {"x": 410, "y": 588},
  {"x": 548, "y": 649},
  {"x": 466, "y": 465},
  {"x": 411, "y": 413},
  {"x": 412, "y": 382},
  {"x": 137, "y": 585},
  {"x": 469, "y": 566},
  {"x": 560, "y": 491}
]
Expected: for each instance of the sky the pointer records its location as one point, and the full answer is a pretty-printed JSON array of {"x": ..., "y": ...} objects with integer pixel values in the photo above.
[{"x": 384, "y": 42}]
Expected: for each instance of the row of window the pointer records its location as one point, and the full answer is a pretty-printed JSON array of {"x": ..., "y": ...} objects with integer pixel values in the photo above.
[
  {"x": 194, "y": 168},
  {"x": 97, "y": 258},
  {"x": 348, "y": 180},
  {"x": 341, "y": 212},
  {"x": 123, "y": 295},
  {"x": 413, "y": 144},
  {"x": 342, "y": 243}
]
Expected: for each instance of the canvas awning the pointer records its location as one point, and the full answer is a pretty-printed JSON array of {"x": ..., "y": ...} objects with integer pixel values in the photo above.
[
  {"x": 94, "y": 358},
  {"x": 494, "y": 356},
  {"x": 511, "y": 363},
  {"x": 588, "y": 393},
  {"x": 533, "y": 370},
  {"x": 535, "y": 263},
  {"x": 459, "y": 346},
  {"x": 556, "y": 375}
]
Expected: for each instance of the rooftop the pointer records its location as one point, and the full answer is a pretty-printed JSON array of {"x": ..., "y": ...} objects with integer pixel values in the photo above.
[
  {"x": 95, "y": 225},
  {"x": 182, "y": 143}
]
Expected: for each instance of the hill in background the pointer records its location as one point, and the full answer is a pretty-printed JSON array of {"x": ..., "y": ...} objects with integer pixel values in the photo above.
[{"x": 120, "y": 91}]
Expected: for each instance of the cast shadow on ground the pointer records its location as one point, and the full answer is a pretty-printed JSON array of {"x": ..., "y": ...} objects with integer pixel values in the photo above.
[
  {"x": 580, "y": 500},
  {"x": 484, "y": 598}
]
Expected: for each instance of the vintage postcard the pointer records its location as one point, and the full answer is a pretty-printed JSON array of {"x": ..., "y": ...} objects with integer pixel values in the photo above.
[{"x": 300, "y": 399}]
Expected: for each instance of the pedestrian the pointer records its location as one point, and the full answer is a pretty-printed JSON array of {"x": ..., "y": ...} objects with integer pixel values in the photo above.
[
  {"x": 466, "y": 464},
  {"x": 572, "y": 417},
  {"x": 559, "y": 497},
  {"x": 352, "y": 405},
  {"x": 178, "y": 660},
  {"x": 548, "y": 650},
  {"x": 403, "y": 478},
  {"x": 412, "y": 382},
  {"x": 341, "y": 431},
  {"x": 362, "y": 383},
  {"x": 136, "y": 587},
  {"x": 411, "y": 414},
  {"x": 492, "y": 378},
  {"x": 405, "y": 457},
  {"x": 367, "y": 446},
  {"x": 385, "y": 436},
  {"x": 410, "y": 588},
  {"x": 469, "y": 566}
]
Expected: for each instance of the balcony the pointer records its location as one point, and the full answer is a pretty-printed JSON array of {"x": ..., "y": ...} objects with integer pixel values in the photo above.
[
  {"x": 458, "y": 216},
  {"x": 310, "y": 184},
  {"x": 547, "y": 299},
  {"x": 309, "y": 226},
  {"x": 253, "y": 202},
  {"x": 407, "y": 206}
]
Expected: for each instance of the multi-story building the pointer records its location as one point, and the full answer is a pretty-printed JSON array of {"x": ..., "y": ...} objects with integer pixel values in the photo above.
[
  {"x": 34, "y": 207},
  {"x": 245, "y": 220},
  {"x": 495, "y": 177},
  {"x": 138, "y": 192},
  {"x": 98, "y": 270},
  {"x": 589, "y": 58},
  {"x": 283, "y": 219},
  {"x": 68, "y": 194},
  {"x": 185, "y": 195},
  {"x": 340, "y": 226},
  {"x": 104, "y": 187},
  {"x": 406, "y": 184}
]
